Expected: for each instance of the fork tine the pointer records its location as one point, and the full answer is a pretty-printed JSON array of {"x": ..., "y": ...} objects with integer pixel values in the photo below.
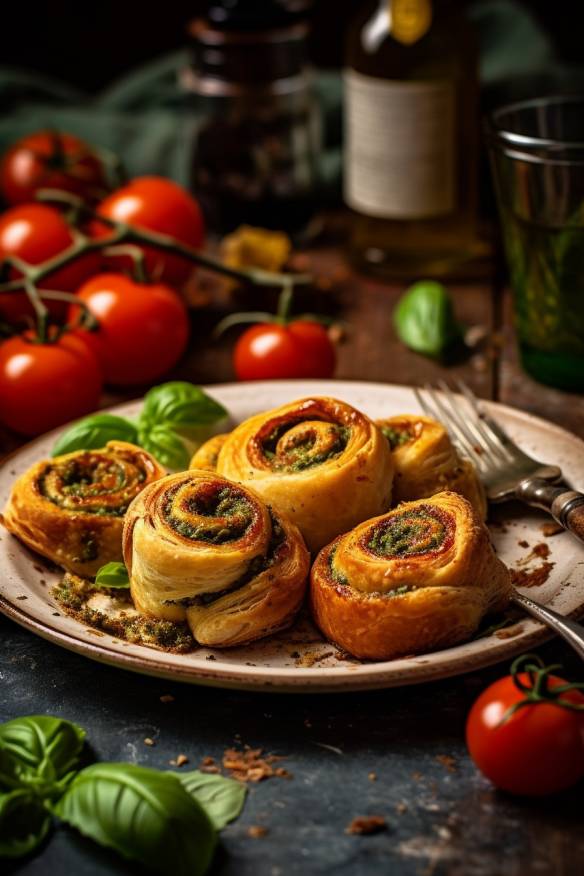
[
  {"x": 438, "y": 411},
  {"x": 495, "y": 455},
  {"x": 493, "y": 433}
]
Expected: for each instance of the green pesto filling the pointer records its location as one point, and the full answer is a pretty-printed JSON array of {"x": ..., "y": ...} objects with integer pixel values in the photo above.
[
  {"x": 225, "y": 504},
  {"x": 416, "y": 532},
  {"x": 301, "y": 456},
  {"x": 78, "y": 482},
  {"x": 255, "y": 567},
  {"x": 341, "y": 579},
  {"x": 396, "y": 437}
]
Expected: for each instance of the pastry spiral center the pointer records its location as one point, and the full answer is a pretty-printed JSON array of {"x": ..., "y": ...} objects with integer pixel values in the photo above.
[
  {"x": 303, "y": 445},
  {"x": 93, "y": 483},
  {"x": 423, "y": 530},
  {"x": 208, "y": 511}
]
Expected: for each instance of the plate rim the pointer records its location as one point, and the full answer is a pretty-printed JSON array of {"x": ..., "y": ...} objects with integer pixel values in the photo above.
[{"x": 374, "y": 675}]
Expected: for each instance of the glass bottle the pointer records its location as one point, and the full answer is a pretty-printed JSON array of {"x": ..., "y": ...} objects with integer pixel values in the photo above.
[{"x": 411, "y": 137}]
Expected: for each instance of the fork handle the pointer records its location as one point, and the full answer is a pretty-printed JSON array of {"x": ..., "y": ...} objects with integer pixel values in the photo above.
[
  {"x": 565, "y": 506},
  {"x": 568, "y": 629}
]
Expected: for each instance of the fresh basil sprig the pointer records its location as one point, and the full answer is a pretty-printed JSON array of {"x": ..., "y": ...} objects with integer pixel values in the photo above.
[
  {"x": 40, "y": 754},
  {"x": 180, "y": 405},
  {"x": 144, "y": 814},
  {"x": 24, "y": 823},
  {"x": 221, "y": 798},
  {"x": 173, "y": 415},
  {"x": 112, "y": 575},
  {"x": 424, "y": 319},
  {"x": 166, "y": 821},
  {"x": 95, "y": 431}
]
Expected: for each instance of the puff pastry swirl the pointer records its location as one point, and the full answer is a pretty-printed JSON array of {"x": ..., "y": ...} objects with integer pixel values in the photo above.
[
  {"x": 426, "y": 462},
  {"x": 70, "y": 509},
  {"x": 318, "y": 460},
  {"x": 202, "y": 549},
  {"x": 418, "y": 578}
]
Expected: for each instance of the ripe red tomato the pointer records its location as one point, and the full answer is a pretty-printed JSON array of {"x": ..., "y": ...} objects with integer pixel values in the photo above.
[
  {"x": 157, "y": 204},
  {"x": 50, "y": 160},
  {"x": 34, "y": 233},
  {"x": 144, "y": 327},
  {"x": 538, "y": 750},
  {"x": 301, "y": 348},
  {"x": 46, "y": 385}
]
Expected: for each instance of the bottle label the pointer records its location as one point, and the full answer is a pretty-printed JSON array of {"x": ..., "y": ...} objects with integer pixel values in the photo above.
[
  {"x": 399, "y": 147},
  {"x": 409, "y": 20}
]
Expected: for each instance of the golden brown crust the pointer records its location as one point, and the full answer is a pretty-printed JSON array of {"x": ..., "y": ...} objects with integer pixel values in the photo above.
[
  {"x": 418, "y": 578},
  {"x": 318, "y": 460},
  {"x": 70, "y": 509},
  {"x": 203, "y": 549},
  {"x": 426, "y": 462},
  {"x": 205, "y": 458}
]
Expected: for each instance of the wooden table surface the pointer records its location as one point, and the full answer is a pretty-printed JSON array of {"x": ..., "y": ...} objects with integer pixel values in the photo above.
[{"x": 443, "y": 818}]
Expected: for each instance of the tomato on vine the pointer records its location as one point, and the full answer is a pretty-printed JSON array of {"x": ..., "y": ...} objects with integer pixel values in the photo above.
[
  {"x": 51, "y": 160},
  {"x": 526, "y": 731},
  {"x": 159, "y": 205},
  {"x": 281, "y": 346},
  {"x": 43, "y": 385},
  {"x": 143, "y": 327},
  {"x": 33, "y": 233}
]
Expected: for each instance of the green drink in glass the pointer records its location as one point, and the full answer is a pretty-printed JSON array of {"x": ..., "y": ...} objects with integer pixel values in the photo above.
[{"x": 537, "y": 154}]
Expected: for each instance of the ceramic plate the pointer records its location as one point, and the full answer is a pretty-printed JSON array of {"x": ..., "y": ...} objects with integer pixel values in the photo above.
[{"x": 299, "y": 659}]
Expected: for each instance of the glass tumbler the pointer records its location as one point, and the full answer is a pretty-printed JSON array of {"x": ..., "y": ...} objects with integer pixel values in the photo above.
[{"x": 537, "y": 156}]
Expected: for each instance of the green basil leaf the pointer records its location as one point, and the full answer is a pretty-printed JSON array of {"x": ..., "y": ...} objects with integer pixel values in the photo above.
[
  {"x": 94, "y": 432},
  {"x": 424, "y": 319},
  {"x": 39, "y": 753},
  {"x": 180, "y": 404},
  {"x": 221, "y": 798},
  {"x": 163, "y": 443},
  {"x": 112, "y": 575},
  {"x": 24, "y": 823},
  {"x": 144, "y": 814}
]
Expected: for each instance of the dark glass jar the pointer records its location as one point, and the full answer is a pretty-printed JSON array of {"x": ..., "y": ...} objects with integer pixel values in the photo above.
[{"x": 257, "y": 126}]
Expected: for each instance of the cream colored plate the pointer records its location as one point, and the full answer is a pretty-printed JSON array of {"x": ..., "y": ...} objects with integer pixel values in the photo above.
[{"x": 299, "y": 660}]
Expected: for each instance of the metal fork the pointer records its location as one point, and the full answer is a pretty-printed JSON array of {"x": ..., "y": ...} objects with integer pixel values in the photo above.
[{"x": 509, "y": 473}]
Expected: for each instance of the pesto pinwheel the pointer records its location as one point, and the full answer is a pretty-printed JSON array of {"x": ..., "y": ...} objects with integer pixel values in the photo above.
[
  {"x": 426, "y": 462},
  {"x": 416, "y": 579},
  {"x": 202, "y": 549},
  {"x": 318, "y": 460},
  {"x": 71, "y": 508}
]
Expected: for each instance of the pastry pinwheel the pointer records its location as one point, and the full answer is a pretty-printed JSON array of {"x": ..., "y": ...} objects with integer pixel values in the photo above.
[
  {"x": 203, "y": 549},
  {"x": 71, "y": 508},
  {"x": 318, "y": 460},
  {"x": 418, "y": 578}
]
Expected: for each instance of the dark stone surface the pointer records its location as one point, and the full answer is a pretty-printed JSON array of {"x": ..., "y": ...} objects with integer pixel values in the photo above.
[{"x": 454, "y": 823}]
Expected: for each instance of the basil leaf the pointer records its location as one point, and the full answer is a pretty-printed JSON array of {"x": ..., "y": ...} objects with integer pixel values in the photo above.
[
  {"x": 24, "y": 823},
  {"x": 424, "y": 319},
  {"x": 165, "y": 445},
  {"x": 144, "y": 814},
  {"x": 181, "y": 405},
  {"x": 39, "y": 753},
  {"x": 95, "y": 431},
  {"x": 221, "y": 798},
  {"x": 112, "y": 575}
]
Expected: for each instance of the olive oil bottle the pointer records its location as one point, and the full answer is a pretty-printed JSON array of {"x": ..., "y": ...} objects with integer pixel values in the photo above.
[{"x": 411, "y": 137}]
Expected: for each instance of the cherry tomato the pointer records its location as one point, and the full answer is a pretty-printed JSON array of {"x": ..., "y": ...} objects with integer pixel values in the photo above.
[
  {"x": 157, "y": 204},
  {"x": 45, "y": 385},
  {"x": 143, "y": 330},
  {"x": 538, "y": 750},
  {"x": 34, "y": 233},
  {"x": 270, "y": 350},
  {"x": 50, "y": 160}
]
